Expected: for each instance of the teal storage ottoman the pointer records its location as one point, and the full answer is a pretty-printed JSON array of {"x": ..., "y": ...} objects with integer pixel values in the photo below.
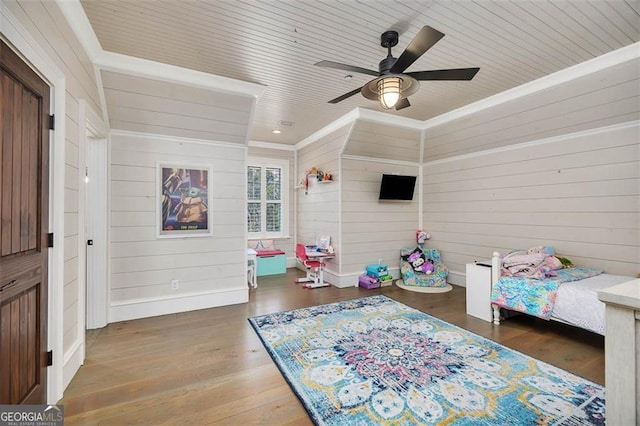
[{"x": 271, "y": 262}]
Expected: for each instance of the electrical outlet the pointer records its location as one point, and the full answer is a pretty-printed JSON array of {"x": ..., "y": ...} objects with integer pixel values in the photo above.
[{"x": 174, "y": 284}]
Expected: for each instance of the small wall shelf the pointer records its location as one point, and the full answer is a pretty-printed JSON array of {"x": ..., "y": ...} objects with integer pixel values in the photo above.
[
  {"x": 310, "y": 179},
  {"x": 319, "y": 182}
]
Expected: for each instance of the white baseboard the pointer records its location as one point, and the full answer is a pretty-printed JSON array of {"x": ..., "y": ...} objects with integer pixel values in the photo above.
[
  {"x": 144, "y": 308},
  {"x": 340, "y": 281},
  {"x": 351, "y": 279},
  {"x": 457, "y": 278},
  {"x": 72, "y": 361}
]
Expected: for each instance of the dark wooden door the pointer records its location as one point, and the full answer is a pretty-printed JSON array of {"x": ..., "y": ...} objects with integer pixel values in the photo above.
[{"x": 24, "y": 183}]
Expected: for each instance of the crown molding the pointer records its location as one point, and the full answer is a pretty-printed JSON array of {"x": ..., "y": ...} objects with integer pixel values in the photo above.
[
  {"x": 389, "y": 119},
  {"x": 363, "y": 114},
  {"x": 551, "y": 139},
  {"x": 81, "y": 27},
  {"x": 180, "y": 139},
  {"x": 380, "y": 160},
  {"x": 331, "y": 127},
  {"x": 130, "y": 65},
  {"x": 271, "y": 145}
]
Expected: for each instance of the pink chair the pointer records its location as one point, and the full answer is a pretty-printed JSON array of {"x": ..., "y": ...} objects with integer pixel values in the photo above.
[{"x": 313, "y": 267}]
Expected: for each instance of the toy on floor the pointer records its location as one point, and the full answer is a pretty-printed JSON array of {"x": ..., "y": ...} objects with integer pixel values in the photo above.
[
  {"x": 365, "y": 281},
  {"x": 422, "y": 237},
  {"x": 375, "y": 275},
  {"x": 422, "y": 269},
  {"x": 419, "y": 261},
  {"x": 376, "y": 270}
]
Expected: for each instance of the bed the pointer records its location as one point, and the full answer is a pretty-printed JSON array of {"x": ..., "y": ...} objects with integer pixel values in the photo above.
[{"x": 568, "y": 295}]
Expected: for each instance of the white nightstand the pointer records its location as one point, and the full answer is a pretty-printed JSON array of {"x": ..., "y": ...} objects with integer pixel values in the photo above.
[{"x": 479, "y": 290}]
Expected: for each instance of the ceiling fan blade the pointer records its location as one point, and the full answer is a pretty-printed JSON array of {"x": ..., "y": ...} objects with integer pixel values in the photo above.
[
  {"x": 453, "y": 74},
  {"x": 422, "y": 42},
  {"x": 345, "y": 96},
  {"x": 402, "y": 103},
  {"x": 345, "y": 67}
]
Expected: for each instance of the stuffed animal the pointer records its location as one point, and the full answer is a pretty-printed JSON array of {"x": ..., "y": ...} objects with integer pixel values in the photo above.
[
  {"x": 422, "y": 237},
  {"x": 419, "y": 262},
  {"x": 427, "y": 267}
]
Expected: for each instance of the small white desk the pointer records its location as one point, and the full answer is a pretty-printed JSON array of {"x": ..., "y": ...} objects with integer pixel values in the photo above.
[
  {"x": 622, "y": 352},
  {"x": 320, "y": 256}
]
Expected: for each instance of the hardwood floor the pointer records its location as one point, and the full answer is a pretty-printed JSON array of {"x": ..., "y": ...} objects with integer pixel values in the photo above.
[{"x": 209, "y": 367}]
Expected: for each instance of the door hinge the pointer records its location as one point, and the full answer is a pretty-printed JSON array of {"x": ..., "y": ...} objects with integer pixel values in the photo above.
[
  {"x": 52, "y": 122},
  {"x": 50, "y": 239},
  {"x": 49, "y": 358}
]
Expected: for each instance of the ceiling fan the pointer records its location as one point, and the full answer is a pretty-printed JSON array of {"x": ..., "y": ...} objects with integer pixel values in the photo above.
[{"x": 392, "y": 86}]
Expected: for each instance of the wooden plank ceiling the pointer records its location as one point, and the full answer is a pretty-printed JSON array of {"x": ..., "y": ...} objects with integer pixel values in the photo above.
[{"x": 275, "y": 43}]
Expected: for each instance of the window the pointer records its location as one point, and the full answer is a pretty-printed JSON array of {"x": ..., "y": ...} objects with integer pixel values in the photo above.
[{"x": 267, "y": 204}]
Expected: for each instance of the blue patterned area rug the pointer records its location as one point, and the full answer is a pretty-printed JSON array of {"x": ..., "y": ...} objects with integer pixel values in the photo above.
[{"x": 374, "y": 361}]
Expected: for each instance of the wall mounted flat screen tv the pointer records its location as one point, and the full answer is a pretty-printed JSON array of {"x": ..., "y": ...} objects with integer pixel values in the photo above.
[{"x": 397, "y": 187}]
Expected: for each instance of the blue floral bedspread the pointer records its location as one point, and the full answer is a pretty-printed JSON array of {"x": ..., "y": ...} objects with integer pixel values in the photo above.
[{"x": 532, "y": 296}]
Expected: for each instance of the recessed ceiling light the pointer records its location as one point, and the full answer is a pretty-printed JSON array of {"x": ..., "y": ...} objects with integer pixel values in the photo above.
[
  {"x": 277, "y": 132},
  {"x": 348, "y": 77}
]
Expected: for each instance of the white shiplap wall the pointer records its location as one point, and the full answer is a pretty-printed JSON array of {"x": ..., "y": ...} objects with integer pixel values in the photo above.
[
  {"x": 579, "y": 193},
  {"x": 383, "y": 141},
  {"x": 374, "y": 230},
  {"x": 318, "y": 210},
  {"x": 147, "y": 105},
  {"x": 211, "y": 270},
  {"x": 597, "y": 99},
  {"x": 571, "y": 182}
]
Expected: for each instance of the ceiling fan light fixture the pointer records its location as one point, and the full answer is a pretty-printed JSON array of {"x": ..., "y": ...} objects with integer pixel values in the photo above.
[
  {"x": 392, "y": 86},
  {"x": 389, "y": 89}
]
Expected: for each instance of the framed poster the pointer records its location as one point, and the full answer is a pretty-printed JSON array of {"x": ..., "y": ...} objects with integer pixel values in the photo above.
[{"x": 183, "y": 200}]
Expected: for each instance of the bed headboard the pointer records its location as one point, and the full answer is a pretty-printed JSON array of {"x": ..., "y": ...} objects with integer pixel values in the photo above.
[{"x": 496, "y": 267}]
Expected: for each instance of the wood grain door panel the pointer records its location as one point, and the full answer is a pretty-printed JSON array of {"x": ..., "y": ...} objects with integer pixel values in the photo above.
[
  {"x": 24, "y": 183},
  {"x": 21, "y": 366}
]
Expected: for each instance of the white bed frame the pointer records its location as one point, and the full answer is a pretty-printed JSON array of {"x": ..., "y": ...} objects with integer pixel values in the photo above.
[{"x": 496, "y": 268}]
